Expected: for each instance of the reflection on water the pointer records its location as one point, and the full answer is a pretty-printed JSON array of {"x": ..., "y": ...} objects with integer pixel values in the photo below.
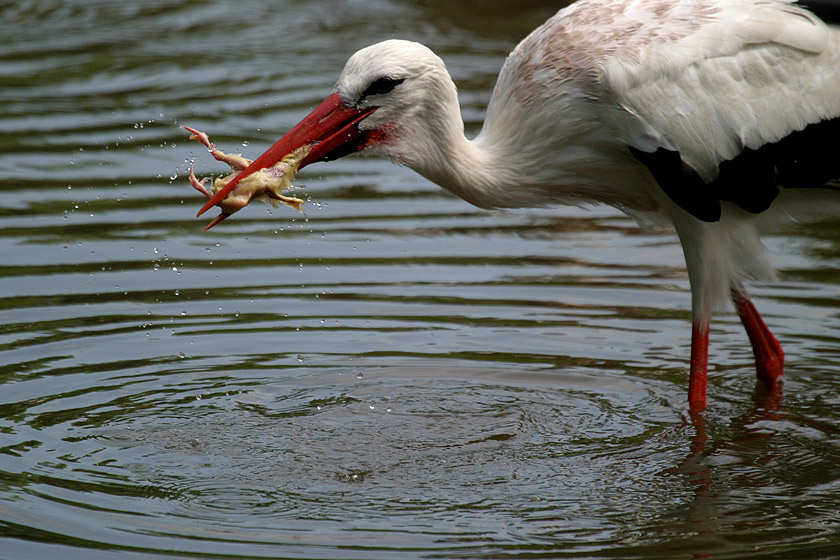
[{"x": 394, "y": 374}]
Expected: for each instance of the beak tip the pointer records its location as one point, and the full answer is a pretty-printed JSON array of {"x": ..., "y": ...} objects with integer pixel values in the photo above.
[
  {"x": 220, "y": 218},
  {"x": 204, "y": 209}
]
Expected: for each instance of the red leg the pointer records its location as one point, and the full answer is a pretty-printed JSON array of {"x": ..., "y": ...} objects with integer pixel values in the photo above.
[
  {"x": 769, "y": 357},
  {"x": 699, "y": 363}
]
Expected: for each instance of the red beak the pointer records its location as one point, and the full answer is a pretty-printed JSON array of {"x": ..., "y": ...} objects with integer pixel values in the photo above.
[{"x": 331, "y": 127}]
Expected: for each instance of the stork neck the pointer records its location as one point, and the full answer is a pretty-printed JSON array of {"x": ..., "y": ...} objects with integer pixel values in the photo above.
[
  {"x": 473, "y": 172},
  {"x": 480, "y": 172},
  {"x": 520, "y": 158}
]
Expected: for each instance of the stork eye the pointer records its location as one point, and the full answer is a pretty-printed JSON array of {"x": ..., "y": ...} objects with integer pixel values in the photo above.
[{"x": 382, "y": 85}]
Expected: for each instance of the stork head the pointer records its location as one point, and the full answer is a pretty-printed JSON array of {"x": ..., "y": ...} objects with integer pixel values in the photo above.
[
  {"x": 387, "y": 99},
  {"x": 406, "y": 87}
]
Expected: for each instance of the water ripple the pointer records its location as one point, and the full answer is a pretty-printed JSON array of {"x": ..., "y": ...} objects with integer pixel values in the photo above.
[{"x": 393, "y": 374}]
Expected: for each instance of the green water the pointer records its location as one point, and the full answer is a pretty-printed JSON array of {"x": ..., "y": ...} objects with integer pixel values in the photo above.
[{"x": 393, "y": 374}]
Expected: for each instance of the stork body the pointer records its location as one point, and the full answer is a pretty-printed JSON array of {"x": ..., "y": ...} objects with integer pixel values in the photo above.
[{"x": 717, "y": 118}]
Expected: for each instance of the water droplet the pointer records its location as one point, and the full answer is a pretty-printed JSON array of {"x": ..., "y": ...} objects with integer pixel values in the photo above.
[
  {"x": 360, "y": 375},
  {"x": 173, "y": 176}
]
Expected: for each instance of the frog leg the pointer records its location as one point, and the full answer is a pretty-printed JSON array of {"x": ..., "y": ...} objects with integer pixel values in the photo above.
[
  {"x": 237, "y": 162},
  {"x": 199, "y": 185},
  {"x": 201, "y": 137},
  {"x": 295, "y": 203}
]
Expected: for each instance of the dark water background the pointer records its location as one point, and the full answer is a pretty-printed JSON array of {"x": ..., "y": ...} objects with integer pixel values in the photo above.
[{"x": 394, "y": 374}]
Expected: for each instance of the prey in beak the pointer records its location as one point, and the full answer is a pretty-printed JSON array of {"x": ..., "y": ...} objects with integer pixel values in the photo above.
[
  {"x": 266, "y": 184},
  {"x": 329, "y": 132}
]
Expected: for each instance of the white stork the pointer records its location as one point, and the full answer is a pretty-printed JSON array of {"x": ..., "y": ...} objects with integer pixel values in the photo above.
[{"x": 717, "y": 118}]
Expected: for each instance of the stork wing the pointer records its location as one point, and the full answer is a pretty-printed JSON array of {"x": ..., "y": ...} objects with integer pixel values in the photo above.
[{"x": 748, "y": 74}]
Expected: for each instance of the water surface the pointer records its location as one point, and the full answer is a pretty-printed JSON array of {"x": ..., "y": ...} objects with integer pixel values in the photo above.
[{"x": 394, "y": 373}]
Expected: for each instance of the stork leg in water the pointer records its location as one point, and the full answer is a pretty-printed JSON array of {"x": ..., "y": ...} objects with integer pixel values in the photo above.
[
  {"x": 769, "y": 357},
  {"x": 719, "y": 119}
]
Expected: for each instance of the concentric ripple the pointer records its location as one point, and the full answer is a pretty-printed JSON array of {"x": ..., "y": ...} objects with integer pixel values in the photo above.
[{"x": 393, "y": 374}]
